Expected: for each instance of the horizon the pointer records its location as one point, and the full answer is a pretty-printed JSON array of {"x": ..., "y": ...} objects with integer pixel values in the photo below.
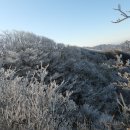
[{"x": 79, "y": 23}]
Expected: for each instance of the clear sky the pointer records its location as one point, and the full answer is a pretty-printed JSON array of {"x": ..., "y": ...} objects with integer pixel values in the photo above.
[{"x": 74, "y": 22}]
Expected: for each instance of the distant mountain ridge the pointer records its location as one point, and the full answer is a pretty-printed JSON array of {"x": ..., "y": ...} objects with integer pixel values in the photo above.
[{"x": 125, "y": 46}]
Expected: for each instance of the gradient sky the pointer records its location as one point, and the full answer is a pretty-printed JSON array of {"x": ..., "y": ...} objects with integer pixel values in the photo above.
[{"x": 74, "y": 22}]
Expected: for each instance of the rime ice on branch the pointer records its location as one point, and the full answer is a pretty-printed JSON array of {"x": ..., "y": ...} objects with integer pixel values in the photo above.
[{"x": 123, "y": 13}]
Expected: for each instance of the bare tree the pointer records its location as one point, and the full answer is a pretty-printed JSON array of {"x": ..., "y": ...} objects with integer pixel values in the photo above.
[{"x": 123, "y": 13}]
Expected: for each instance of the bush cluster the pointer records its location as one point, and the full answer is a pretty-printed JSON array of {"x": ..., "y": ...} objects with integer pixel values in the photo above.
[{"x": 76, "y": 89}]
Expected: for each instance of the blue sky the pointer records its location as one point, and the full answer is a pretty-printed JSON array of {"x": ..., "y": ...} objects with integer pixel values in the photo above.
[{"x": 74, "y": 22}]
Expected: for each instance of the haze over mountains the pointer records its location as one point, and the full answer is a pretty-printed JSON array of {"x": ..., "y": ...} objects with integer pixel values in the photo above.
[{"x": 125, "y": 46}]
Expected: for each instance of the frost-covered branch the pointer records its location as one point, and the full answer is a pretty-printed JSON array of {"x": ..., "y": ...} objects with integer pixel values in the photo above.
[{"x": 123, "y": 13}]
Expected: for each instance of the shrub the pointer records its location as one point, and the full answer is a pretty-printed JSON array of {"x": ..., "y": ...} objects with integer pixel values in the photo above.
[{"x": 33, "y": 105}]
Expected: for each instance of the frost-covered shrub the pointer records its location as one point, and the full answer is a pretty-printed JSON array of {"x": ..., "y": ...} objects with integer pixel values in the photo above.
[
  {"x": 95, "y": 80},
  {"x": 33, "y": 105},
  {"x": 29, "y": 104},
  {"x": 25, "y": 47}
]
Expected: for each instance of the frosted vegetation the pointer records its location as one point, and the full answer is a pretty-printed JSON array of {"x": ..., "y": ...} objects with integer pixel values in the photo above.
[{"x": 49, "y": 86}]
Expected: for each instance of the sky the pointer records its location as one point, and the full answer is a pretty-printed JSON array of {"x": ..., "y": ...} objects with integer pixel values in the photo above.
[{"x": 72, "y": 22}]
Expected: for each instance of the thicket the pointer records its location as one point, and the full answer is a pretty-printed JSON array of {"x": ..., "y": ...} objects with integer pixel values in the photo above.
[{"x": 50, "y": 86}]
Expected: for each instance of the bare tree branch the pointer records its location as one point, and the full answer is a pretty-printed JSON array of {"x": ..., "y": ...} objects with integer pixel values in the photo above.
[{"x": 125, "y": 15}]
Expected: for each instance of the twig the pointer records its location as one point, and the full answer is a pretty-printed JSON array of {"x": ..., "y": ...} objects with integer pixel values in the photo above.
[{"x": 125, "y": 15}]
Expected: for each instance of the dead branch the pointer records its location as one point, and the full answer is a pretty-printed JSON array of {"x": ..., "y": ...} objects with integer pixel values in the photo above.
[{"x": 125, "y": 15}]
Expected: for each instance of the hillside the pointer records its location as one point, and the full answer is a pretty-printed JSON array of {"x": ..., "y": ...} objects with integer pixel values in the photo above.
[{"x": 74, "y": 85}]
